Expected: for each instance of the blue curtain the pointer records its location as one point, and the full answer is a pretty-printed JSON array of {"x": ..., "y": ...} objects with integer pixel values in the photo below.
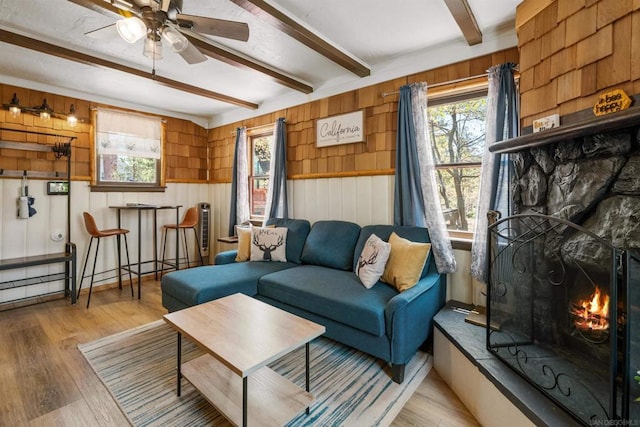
[
  {"x": 234, "y": 188},
  {"x": 277, "y": 203},
  {"x": 416, "y": 200},
  {"x": 408, "y": 201},
  {"x": 497, "y": 169},
  {"x": 507, "y": 126}
]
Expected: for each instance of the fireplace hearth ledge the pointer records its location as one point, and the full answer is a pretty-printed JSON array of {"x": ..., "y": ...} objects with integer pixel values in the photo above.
[{"x": 470, "y": 340}]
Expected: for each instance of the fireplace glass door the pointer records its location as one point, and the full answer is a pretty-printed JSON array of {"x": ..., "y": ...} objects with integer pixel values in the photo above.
[{"x": 556, "y": 305}]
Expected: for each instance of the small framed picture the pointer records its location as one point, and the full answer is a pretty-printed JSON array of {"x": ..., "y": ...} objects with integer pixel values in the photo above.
[{"x": 57, "y": 187}]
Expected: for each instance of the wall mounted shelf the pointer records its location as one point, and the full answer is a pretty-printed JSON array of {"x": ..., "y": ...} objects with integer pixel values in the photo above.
[{"x": 68, "y": 257}]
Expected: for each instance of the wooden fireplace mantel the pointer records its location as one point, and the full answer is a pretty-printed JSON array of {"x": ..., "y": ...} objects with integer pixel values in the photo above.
[{"x": 609, "y": 122}]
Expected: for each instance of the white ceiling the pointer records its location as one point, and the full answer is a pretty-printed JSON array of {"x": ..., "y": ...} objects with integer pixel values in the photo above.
[{"x": 392, "y": 38}]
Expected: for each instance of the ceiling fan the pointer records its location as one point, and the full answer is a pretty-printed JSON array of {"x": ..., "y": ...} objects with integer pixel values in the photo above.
[{"x": 161, "y": 21}]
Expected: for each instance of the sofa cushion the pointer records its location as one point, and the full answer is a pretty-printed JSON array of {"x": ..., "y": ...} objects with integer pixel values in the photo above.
[
  {"x": 334, "y": 294},
  {"x": 297, "y": 232},
  {"x": 331, "y": 244},
  {"x": 406, "y": 262},
  {"x": 201, "y": 284},
  {"x": 268, "y": 244},
  {"x": 372, "y": 260},
  {"x": 415, "y": 234}
]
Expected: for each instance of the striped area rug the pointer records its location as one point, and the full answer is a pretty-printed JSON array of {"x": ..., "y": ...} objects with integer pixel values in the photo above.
[{"x": 351, "y": 388}]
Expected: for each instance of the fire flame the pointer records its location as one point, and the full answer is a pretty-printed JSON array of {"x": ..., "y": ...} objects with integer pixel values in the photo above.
[{"x": 593, "y": 314}]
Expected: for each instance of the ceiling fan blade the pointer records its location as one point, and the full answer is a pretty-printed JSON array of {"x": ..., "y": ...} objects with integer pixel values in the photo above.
[
  {"x": 192, "y": 55},
  {"x": 215, "y": 27},
  {"x": 104, "y": 33}
]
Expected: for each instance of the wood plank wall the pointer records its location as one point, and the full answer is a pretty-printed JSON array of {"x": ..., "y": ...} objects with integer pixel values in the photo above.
[
  {"x": 573, "y": 50},
  {"x": 375, "y": 156},
  {"x": 185, "y": 148}
]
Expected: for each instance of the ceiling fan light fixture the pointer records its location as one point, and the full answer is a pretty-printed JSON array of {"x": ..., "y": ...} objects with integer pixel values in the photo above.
[
  {"x": 152, "y": 49},
  {"x": 131, "y": 29},
  {"x": 177, "y": 41}
]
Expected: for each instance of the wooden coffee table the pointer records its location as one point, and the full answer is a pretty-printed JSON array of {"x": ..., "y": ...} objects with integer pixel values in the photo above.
[{"x": 240, "y": 336}]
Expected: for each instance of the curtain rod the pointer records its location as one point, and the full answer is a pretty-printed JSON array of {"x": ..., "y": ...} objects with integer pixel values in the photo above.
[
  {"x": 450, "y": 82},
  {"x": 255, "y": 127}
]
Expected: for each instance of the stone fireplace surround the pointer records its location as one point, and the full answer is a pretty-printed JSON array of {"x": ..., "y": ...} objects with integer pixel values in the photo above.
[{"x": 587, "y": 172}]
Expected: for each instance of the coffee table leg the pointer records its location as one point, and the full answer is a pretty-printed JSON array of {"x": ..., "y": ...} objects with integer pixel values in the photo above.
[
  {"x": 245, "y": 381},
  {"x": 179, "y": 358},
  {"x": 306, "y": 368}
]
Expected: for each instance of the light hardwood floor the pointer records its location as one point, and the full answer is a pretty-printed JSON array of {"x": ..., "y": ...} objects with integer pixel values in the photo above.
[{"x": 45, "y": 381}]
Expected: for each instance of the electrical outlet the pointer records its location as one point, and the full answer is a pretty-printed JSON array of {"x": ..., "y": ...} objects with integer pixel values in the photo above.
[{"x": 57, "y": 236}]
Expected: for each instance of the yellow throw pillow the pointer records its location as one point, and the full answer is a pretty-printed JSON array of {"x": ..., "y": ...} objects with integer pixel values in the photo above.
[
  {"x": 244, "y": 244},
  {"x": 405, "y": 263}
]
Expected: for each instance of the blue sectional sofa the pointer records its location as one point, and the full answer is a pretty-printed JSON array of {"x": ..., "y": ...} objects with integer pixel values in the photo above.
[{"x": 318, "y": 283}]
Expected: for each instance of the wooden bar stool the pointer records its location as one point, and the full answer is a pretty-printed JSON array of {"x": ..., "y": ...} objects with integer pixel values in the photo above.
[
  {"x": 95, "y": 233},
  {"x": 189, "y": 221}
]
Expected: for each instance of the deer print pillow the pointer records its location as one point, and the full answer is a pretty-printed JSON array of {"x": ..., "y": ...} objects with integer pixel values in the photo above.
[
  {"x": 372, "y": 260},
  {"x": 269, "y": 244}
]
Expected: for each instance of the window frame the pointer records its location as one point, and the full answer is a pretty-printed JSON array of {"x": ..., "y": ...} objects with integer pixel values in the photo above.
[
  {"x": 98, "y": 186},
  {"x": 461, "y": 239},
  {"x": 256, "y": 133}
]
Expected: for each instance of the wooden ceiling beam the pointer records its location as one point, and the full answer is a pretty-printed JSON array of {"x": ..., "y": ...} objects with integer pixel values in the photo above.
[
  {"x": 267, "y": 13},
  {"x": 225, "y": 56},
  {"x": 72, "y": 55},
  {"x": 465, "y": 19},
  {"x": 209, "y": 49}
]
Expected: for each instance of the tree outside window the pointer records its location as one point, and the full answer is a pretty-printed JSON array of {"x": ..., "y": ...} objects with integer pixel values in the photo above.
[
  {"x": 260, "y": 152},
  {"x": 458, "y": 136}
]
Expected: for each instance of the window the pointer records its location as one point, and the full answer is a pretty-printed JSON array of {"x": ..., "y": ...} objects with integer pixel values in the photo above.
[
  {"x": 458, "y": 135},
  {"x": 128, "y": 149},
  {"x": 260, "y": 163}
]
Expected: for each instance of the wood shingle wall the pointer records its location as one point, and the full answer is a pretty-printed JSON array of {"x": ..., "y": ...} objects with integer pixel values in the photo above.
[
  {"x": 573, "y": 50},
  {"x": 185, "y": 148},
  {"x": 374, "y": 156}
]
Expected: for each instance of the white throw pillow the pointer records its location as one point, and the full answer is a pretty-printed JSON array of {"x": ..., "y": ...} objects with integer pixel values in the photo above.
[
  {"x": 372, "y": 260},
  {"x": 269, "y": 244}
]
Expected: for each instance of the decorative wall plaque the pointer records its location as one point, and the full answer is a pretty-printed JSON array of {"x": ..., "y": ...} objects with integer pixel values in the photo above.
[
  {"x": 342, "y": 129},
  {"x": 611, "y": 102}
]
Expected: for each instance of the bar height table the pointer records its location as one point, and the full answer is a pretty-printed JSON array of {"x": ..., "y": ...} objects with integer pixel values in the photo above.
[{"x": 139, "y": 207}]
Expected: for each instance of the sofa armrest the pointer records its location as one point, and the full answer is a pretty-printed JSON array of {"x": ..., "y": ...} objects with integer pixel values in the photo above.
[
  {"x": 226, "y": 257},
  {"x": 409, "y": 316}
]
